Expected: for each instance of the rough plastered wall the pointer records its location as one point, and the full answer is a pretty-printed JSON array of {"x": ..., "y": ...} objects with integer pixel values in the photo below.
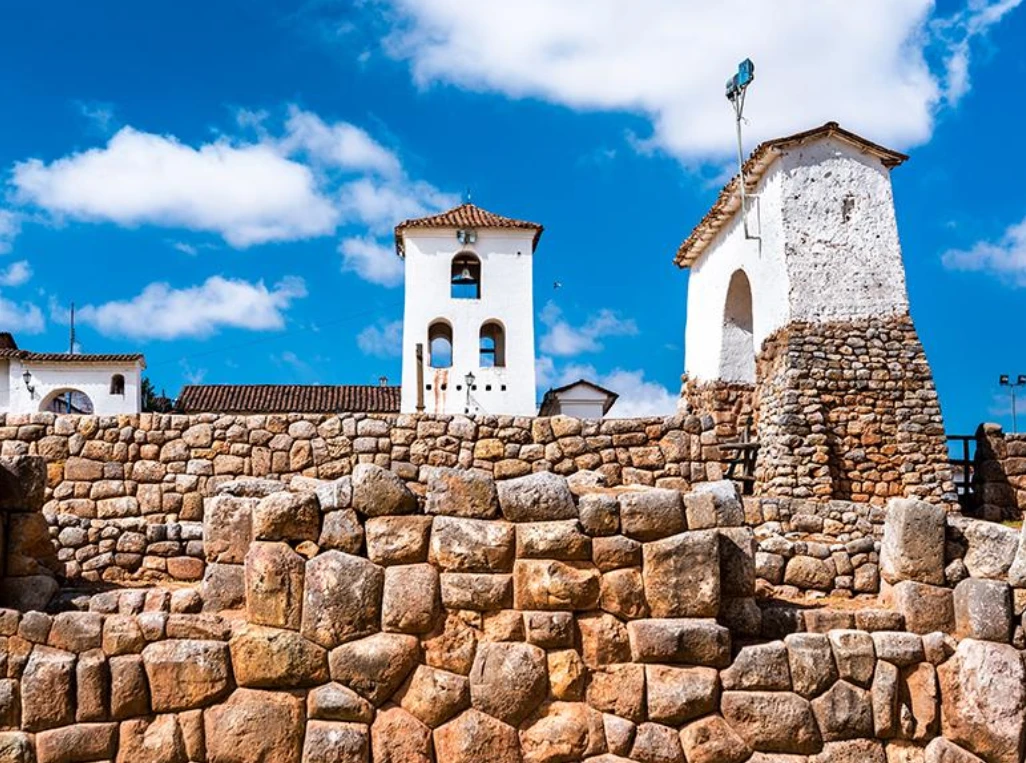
[
  {"x": 510, "y": 623},
  {"x": 849, "y": 410}
]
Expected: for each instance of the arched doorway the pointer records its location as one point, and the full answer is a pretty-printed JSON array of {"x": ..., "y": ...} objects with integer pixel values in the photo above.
[
  {"x": 737, "y": 351},
  {"x": 67, "y": 401}
]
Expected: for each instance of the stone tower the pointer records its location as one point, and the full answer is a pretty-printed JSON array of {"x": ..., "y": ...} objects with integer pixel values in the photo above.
[
  {"x": 798, "y": 315},
  {"x": 469, "y": 307}
]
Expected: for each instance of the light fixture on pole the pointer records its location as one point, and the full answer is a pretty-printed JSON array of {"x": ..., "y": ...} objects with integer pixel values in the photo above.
[
  {"x": 27, "y": 378},
  {"x": 1006, "y": 381},
  {"x": 469, "y": 379},
  {"x": 737, "y": 86}
]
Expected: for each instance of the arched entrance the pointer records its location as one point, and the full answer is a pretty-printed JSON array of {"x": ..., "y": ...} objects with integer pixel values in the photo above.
[
  {"x": 737, "y": 351},
  {"x": 67, "y": 401}
]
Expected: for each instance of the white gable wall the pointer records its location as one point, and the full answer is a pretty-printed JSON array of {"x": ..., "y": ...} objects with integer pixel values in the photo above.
[
  {"x": 811, "y": 263},
  {"x": 506, "y": 297},
  {"x": 92, "y": 379}
]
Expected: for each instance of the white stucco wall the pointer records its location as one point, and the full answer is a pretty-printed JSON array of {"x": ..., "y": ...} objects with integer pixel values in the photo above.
[
  {"x": 819, "y": 258},
  {"x": 506, "y": 297},
  {"x": 582, "y": 402},
  {"x": 92, "y": 379}
]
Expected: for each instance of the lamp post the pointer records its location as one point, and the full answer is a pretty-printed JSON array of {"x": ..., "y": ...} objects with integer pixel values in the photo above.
[
  {"x": 1006, "y": 381},
  {"x": 27, "y": 378},
  {"x": 469, "y": 379}
]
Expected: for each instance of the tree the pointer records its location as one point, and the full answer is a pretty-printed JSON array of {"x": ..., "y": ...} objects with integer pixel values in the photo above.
[{"x": 151, "y": 401}]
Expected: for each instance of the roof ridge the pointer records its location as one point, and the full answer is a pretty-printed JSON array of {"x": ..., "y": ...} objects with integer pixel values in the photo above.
[{"x": 465, "y": 215}]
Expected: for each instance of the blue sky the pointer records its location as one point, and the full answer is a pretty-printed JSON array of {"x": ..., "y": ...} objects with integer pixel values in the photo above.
[{"x": 214, "y": 184}]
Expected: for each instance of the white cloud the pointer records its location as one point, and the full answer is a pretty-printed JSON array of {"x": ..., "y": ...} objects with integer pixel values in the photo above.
[
  {"x": 1005, "y": 258},
  {"x": 958, "y": 32},
  {"x": 100, "y": 116},
  {"x": 861, "y": 63},
  {"x": 248, "y": 194},
  {"x": 16, "y": 274},
  {"x": 10, "y": 227},
  {"x": 25, "y": 317},
  {"x": 382, "y": 339},
  {"x": 161, "y": 312},
  {"x": 372, "y": 260},
  {"x": 381, "y": 205},
  {"x": 341, "y": 145},
  {"x": 561, "y": 338},
  {"x": 638, "y": 396}
]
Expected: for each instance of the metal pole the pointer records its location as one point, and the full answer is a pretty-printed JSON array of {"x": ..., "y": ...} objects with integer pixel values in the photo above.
[{"x": 739, "y": 104}]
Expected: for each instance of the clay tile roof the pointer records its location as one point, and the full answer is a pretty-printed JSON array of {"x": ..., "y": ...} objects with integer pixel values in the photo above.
[
  {"x": 7, "y": 341},
  {"x": 762, "y": 157},
  {"x": 67, "y": 357},
  {"x": 287, "y": 398},
  {"x": 465, "y": 216}
]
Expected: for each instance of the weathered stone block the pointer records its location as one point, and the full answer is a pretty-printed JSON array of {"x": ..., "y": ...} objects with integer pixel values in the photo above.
[
  {"x": 129, "y": 690},
  {"x": 991, "y": 549},
  {"x": 410, "y": 601},
  {"x": 604, "y": 640},
  {"x": 287, "y": 516},
  {"x": 47, "y": 696},
  {"x": 772, "y": 721},
  {"x": 255, "y": 725},
  {"x": 341, "y": 530},
  {"x": 647, "y": 515},
  {"x": 682, "y": 575},
  {"x": 184, "y": 674},
  {"x": 913, "y": 542},
  {"x": 983, "y": 610},
  {"x": 676, "y": 695},
  {"x": 434, "y": 696},
  {"x": 553, "y": 540},
  {"x": 599, "y": 513},
  {"x": 925, "y": 608},
  {"x": 378, "y": 492},
  {"x": 159, "y": 740},
  {"x": 461, "y": 493},
  {"x": 561, "y": 731},
  {"x": 341, "y": 598},
  {"x": 491, "y": 689},
  {"x": 762, "y": 667},
  {"x": 83, "y": 741},
  {"x": 620, "y": 690},
  {"x": 712, "y": 740},
  {"x": 274, "y": 576},
  {"x": 276, "y": 659},
  {"x": 475, "y": 736},
  {"x": 398, "y": 736},
  {"x": 398, "y": 540},
  {"x": 224, "y": 587},
  {"x": 375, "y": 666},
  {"x": 854, "y": 655},
  {"x": 335, "y": 702},
  {"x": 472, "y": 545},
  {"x": 227, "y": 528},
  {"x": 538, "y": 497},
  {"x": 92, "y": 687},
  {"x": 553, "y": 585},
  {"x": 844, "y": 711},
  {"x": 688, "y": 641}
]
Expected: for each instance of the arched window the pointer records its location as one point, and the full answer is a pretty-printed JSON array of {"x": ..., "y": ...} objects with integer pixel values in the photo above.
[
  {"x": 440, "y": 344},
  {"x": 67, "y": 401},
  {"x": 466, "y": 276},
  {"x": 492, "y": 345},
  {"x": 117, "y": 384},
  {"x": 737, "y": 352}
]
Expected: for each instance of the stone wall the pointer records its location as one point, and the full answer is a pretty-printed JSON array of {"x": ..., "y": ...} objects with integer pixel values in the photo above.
[
  {"x": 509, "y": 623},
  {"x": 999, "y": 473},
  {"x": 849, "y": 411}
]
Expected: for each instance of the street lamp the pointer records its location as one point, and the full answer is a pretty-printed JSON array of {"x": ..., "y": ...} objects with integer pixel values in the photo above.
[
  {"x": 27, "y": 378},
  {"x": 469, "y": 379},
  {"x": 1020, "y": 381}
]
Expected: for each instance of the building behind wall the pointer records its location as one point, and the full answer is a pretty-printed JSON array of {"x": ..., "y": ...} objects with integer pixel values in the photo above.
[
  {"x": 59, "y": 382},
  {"x": 469, "y": 308},
  {"x": 798, "y": 316}
]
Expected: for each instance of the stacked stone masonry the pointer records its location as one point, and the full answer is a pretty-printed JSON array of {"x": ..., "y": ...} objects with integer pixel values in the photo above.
[
  {"x": 849, "y": 411},
  {"x": 530, "y": 620},
  {"x": 999, "y": 473}
]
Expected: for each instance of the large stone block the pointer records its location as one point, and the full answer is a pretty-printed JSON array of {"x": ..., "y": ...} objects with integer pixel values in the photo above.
[
  {"x": 472, "y": 545},
  {"x": 461, "y": 493},
  {"x": 604, "y": 640},
  {"x": 184, "y": 674},
  {"x": 682, "y": 575},
  {"x": 553, "y": 540},
  {"x": 92, "y": 687},
  {"x": 76, "y": 631},
  {"x": 398, "y": 736},
  {"x": 844, "y": 711},
  {"x": 924, "y": 608},
  {"x": 274, "y": 576},
  {"x": 811, "y": 663},
  {"x": 474, "y": 736},
  {"x": 129, "y": 688},
  {"x": 83, "y": 741},
  {"x": 940, "y": 750},
  {"x": 622, "y": 593},
  {"x": 651, "y": 514},
  {"x": 47, "y": 695},
  {"x": 341, "y": 598},
  {"x": 854, "y": 654},
  {"x": 772, "y": 721},
  {"x": 508, "y": 680},
  {"x": 16, "y": 747},
  {"x": 552, "y": 585},
  {"x": 22, "y": 483},
  {"x": 653, "y": 741},
  {"x": 913, "y": 542},
  {"x": 410, "y": 601},
  {"x": 538, "y": 497},
  {"x": 676, "y": 695},
  {"x": 885, "y": 696},
  {"x": 714, "y": 505},
  {"x": 378, "y": 492},
  {"x": 159, "y": 740},
  {"x": 253, "y": 725},
  {"x": 991, "y": 549},
  {"x": 561, "y": 731},
  {"x": 434, "y": 696},
  {"x": 687, "y": 641},
  {"x": 398, "y": 540},
  {"x": 737, "y": 562},
  {"x": 619, "y": 690},
  {"x": 224, "y": 587},
  {"x": 983, "y": 700},
  {"x": 983, "y": 610},
  {"x": 761, "y": 667},
  {"x": 375, "y": 666},
  {"x": 287, "y": 516},
  {"x": 227, "y": 528},
  {"x": 335, "y": 702},
  {"x": 341, "y": 530},
  {"x": 276, "y": 659},
  {"x": 712, "y": 740}
]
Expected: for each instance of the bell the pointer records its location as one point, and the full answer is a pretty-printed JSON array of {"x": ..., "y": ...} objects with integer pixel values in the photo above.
[{"x": 464, "y": 277}]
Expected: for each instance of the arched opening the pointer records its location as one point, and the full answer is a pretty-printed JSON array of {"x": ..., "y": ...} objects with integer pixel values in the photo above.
[
  {"x": 67, "y": 401},
  {"x": 117, "y": 384},
  {"x": 737, "y": 352},
  {"x": 492, "y": 345},
  {"x": 440, "y": 344},
  {"x": 466, "y": 276}
]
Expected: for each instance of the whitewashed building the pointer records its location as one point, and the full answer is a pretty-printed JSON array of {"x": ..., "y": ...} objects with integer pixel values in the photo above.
[
  {"x": 58, "y": 382},
  {"x": 581, "y": 399},
  {"x": 468, "y": 321}
]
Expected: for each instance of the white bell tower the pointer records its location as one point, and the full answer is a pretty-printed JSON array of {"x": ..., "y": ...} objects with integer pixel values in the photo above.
[{"x": 468, "y": 322}]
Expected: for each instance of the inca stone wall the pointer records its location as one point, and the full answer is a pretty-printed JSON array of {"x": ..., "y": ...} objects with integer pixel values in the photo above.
[
  {"x": 999, "y": 473},
  {"x": 849, "y": 411},
  {"x": 519, "y": 622}
]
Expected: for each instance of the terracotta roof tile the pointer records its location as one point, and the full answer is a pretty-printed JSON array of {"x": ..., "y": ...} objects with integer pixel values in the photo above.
[
  {"x": 288, "y": 398},
  {"x": 465, "y": 216},
  {"x": 67, "y": 357},
  {"x": 727, "y": 203}
]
